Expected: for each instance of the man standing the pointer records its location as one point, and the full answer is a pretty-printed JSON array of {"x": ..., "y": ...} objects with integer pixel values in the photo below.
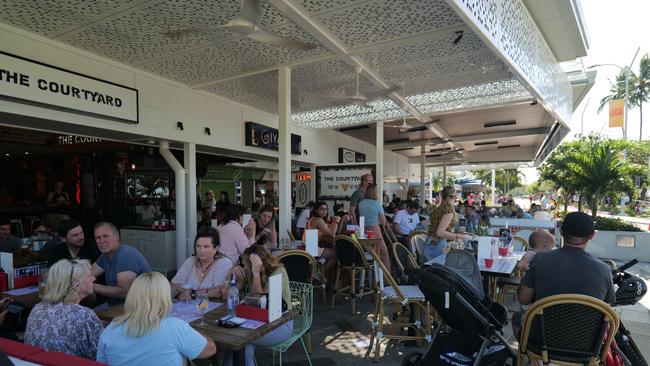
[
  {"x": 119, "y": 262},
  {"x": 358, "y": 195},
  {"x": 405, "y": 221},
  {"x": 73, "y": 245},
  {"x": 8, "y": 242},
  {"x": 570, "y": 269}
]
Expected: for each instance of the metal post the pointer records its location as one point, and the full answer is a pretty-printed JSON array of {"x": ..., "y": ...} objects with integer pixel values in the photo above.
[
  {"x": 284, "y": 153},
  {"x": 422, "y": 164},
  {"x": 444, "y": 174},
  {"x": 627, "y": 77},
  {"x": 189, "y": 154},
  {"x": 379, "y": 169},
  {"x": 494, "y": 188}
]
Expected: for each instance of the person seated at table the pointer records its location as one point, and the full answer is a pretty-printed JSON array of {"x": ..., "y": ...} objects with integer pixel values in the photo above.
[
  {"x": 74, "y": 244},
  {"x": 440, "y": 224},
  {"x": 58, "y": 323},
  {"x": 505, "y": 210},
  {"x": 345, "y": 218},
  {"x": 120, "y": 263},
  {"x": 373, "y": 212},
  {"x": 146, "y": 334},
  {"x": 206, "y": 269},
  {"x": 206, "y": 221},
  {"x": 259, "y": 265},
  {"x": 8, "y": 242},
  {"x": 520, "y": 214},
  {"x": 472, "y": 219},
  {"x": 327, "y": 229},
  {"x": 405, "y": 221},
  {"x": 264, "y": 228},
  {"x": 232, "y": 236},
  {"x": 539, "y": 241}
]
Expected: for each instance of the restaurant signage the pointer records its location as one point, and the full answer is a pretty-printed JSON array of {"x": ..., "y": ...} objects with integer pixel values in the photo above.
[
  {"x": 616, "y": 112},
  {"x": 268, "y": 138},
  {"x": 350, "y": 156},
  {"x": 38, "y": 83},
  {"x": 340, "y": 183}
]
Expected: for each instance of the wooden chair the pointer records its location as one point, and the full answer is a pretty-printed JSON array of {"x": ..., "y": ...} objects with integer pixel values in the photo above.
[
  {"x": 568, "y": 329},
  {"x": 408, "y": 298},
  {"x": 416, "y": 242},
  {"x": 351, "y": 258}
]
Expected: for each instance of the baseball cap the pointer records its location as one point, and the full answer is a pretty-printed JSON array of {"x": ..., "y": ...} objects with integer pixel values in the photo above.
[{"x": 578, "y": 224}]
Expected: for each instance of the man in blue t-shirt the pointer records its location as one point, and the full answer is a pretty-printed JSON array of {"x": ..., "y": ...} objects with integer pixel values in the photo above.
[{"x": 120, "y": 263}]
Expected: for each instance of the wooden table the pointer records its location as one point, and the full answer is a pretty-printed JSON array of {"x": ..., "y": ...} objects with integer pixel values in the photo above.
[
  {"x": 232, "y": 339},
  {"x": 27, "y": 301}
]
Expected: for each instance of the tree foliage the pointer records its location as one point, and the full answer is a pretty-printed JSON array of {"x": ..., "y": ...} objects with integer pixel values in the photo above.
[
  {"x": 505, "y": 179},
  {"x": 592, "y": 167}
]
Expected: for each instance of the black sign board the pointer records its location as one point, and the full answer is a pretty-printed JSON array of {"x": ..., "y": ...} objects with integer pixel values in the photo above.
[{"x": 268, "y": 137}]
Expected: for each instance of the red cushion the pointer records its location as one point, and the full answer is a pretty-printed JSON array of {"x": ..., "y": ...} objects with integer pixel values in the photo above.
[
  {"x": 60, "y": 359},
  {"x": 17, "y": 349}
]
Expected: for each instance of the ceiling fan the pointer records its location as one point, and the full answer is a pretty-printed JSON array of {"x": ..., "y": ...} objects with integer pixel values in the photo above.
[
  {"x": 245, "y": 24},
  {"x": 404, "y": 126},
  {"x": 358, "y": 98}
]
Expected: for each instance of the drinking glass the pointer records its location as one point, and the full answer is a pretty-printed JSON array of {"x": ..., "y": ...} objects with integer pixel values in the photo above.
[{"x": 202, "y": 305}]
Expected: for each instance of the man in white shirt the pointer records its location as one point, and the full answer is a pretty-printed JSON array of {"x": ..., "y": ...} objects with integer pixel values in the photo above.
[
  {"x": 405, "y": 221},
  {"x": 301, "y": 223}
]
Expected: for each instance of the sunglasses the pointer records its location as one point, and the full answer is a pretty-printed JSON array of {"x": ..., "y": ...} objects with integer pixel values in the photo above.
[{"x": 74, "y": 262}]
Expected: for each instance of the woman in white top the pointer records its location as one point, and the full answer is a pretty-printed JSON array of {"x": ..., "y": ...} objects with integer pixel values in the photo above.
[{"x": 205, "y": 270}]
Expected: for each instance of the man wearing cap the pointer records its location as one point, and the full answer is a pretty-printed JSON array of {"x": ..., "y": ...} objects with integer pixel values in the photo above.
[
  {"x": 405, "y": 221},
  {"x": 73, "y": 245},
  {"x": 570, "y": 269}
]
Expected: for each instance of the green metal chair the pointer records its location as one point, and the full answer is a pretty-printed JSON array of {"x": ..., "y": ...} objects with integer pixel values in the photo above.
[{"x": 302, "y": 301}]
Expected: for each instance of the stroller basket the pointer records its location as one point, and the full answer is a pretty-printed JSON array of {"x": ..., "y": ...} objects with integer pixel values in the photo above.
[{"x": 476, "y": 321}]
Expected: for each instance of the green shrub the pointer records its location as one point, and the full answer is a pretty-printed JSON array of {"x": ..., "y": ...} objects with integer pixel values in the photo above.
[{"x": 613, "y": 224}]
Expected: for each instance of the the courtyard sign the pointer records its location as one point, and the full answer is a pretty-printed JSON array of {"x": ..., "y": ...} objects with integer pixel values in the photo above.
[{"x": 35, "y": 82}]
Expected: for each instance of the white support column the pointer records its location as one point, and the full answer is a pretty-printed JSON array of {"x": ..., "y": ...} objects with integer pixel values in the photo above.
[
  {"x": 430, "y": 193},
  {"x": 312, "y": 183},
  {"x": 179, "y": 180},
  {"x": 189, "y": 155},
  {"x": 379, "y": 169},
  {"x": 284, "y": 135},
  {"x": 422, "y": 165},
  {"x": 494, "y": 188}
]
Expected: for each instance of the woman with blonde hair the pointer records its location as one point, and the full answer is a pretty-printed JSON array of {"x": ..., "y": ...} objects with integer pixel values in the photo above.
[
  {"x": 58, "y": 323},
  {"x": 441, "y": 223},
  {"x": 145, "y": 334},
  {"x": 259, "y": 265}
]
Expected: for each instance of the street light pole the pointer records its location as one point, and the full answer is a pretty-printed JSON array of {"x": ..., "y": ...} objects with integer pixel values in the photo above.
[{"x": 625, "y": 98}]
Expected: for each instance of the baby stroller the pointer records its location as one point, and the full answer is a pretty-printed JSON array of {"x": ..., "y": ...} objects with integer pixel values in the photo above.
[{"x": 476, "y": 322}]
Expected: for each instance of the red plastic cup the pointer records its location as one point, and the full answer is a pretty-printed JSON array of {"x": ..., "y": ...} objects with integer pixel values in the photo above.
[
  {"x": 489, "y": 262},
  {"x": 503, "y": 252},
  {"x": 370, "y": 234}
]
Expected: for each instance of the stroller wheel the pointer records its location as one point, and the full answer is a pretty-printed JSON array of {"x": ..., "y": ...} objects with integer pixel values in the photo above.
[{"x": 412, "y": 359}]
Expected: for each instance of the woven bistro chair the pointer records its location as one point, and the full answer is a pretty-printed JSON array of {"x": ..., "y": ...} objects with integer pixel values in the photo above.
[
  {"x": 416, "y": 242},
  {"x": 568, "y": 329},
  {"x": 403, "y": 259},
  {"x": 409, "y": 298},
  {"x": 300, "y": 267},
  {"x": 351, "y": 260}
]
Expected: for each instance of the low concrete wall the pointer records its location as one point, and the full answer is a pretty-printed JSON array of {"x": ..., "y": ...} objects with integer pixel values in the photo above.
[{"x": 623, "y": 245}]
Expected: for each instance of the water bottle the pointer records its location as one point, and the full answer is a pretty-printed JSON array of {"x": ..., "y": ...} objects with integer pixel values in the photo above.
[{"x": 233, "y": 297}]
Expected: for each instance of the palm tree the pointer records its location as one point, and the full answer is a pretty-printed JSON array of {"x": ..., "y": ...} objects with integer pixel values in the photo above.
[
  {"x": 616, "y": 90},
  {"x": 506, "y": 179},
  {"x": 598, "y": 169},
  {"x": 640, "y": 89}
]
